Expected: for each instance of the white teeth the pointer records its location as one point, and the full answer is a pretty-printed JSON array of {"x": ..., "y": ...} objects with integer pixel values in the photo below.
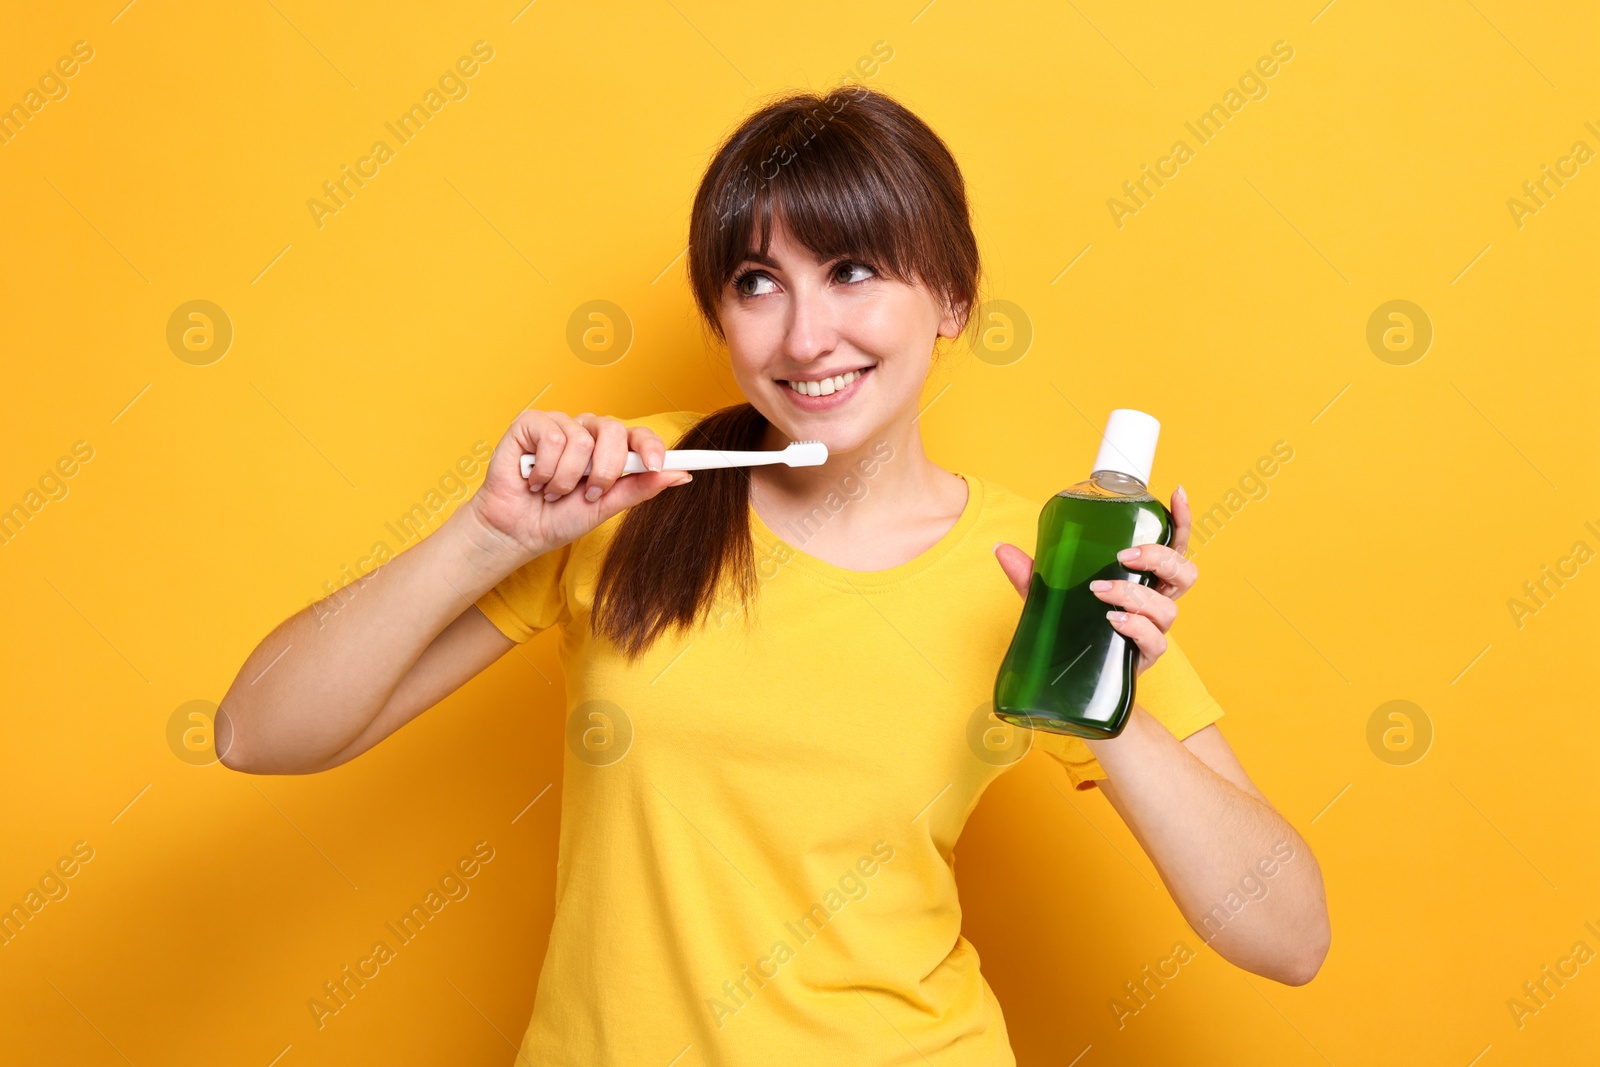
[{"x": 826, "y": 385}]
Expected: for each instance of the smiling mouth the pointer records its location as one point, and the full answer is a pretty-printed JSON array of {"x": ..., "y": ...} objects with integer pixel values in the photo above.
[{"x": 825, "y": 386}]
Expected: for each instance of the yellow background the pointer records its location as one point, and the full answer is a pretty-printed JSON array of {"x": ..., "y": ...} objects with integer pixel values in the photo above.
[{"x": 373, "y": 352}]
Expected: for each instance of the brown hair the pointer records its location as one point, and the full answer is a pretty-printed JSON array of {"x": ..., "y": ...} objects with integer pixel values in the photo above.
[{"x": 851, "y": 173}]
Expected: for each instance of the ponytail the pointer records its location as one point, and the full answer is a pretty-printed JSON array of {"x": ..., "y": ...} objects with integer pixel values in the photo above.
[{"x": 670, "y": 554}]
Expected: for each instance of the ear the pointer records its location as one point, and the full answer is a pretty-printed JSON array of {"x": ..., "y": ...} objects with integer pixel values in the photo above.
[{"x": 953, "y": 321}]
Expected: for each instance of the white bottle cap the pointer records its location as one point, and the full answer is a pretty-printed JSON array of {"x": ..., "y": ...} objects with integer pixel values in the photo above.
[{"x": 1129, "y": 444}]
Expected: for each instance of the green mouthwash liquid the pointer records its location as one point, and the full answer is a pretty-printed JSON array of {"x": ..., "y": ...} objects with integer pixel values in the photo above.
[{"x": 1067, "y": 670}]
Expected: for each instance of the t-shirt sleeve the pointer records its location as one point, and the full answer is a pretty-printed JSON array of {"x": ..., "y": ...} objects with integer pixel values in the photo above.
[
  {"x": 531, "y": 598},
  {"x": 1171, "y": 691}
]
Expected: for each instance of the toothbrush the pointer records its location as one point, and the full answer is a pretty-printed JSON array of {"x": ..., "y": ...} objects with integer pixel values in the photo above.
[{"x": 798, "y": 454}]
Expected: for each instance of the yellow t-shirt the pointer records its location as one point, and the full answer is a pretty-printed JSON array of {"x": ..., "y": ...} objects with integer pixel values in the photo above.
[{"x": 757, "y": 847}]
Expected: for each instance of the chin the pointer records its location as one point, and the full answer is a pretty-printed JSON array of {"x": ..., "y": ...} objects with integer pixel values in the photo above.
[{"x": 841, "y": 433}]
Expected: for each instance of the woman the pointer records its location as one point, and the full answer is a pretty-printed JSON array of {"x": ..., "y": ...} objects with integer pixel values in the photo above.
[{"x": 772, "y": 749}]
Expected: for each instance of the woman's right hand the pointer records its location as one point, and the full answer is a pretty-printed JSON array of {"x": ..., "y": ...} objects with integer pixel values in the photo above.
[{"x": 517, "y": 508}]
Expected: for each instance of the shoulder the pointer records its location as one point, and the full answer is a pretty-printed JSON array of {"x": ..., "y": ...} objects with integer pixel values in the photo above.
[{"x": 1007, "y": 515}]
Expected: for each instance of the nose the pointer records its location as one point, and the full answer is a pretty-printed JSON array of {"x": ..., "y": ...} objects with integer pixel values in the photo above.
[{"x": 811, "y": 330}]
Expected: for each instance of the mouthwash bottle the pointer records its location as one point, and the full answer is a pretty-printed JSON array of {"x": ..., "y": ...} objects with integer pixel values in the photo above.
[{"x": 1067, "y": 670}]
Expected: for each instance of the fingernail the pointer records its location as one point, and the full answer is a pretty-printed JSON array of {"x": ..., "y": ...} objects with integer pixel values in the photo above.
[
  {"x": 593, "y": 494},
  {"x": 995, "y": 547},
  {"x": 552, "y": 496},
  {"x": 1182, "y": 495},
  {"x": 1116, "y": 616},
  {"x": 655, "y": 464},
  {"x": 1128, "y": 555},
  {"x": 687, "y": 477},
  {"x": 1099, "y": 585}
]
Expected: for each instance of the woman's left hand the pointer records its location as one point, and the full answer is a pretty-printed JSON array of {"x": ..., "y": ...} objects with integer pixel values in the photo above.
[{"x": 1140, "y": 613}]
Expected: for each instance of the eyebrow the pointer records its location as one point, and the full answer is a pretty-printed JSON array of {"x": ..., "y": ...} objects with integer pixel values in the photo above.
[{"x": 755, "y": 256}]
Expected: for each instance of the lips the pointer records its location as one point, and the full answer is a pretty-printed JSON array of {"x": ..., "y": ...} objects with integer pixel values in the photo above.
[
  {"x": 830, "y": 392},
  {"x": 825, "y": 386}
]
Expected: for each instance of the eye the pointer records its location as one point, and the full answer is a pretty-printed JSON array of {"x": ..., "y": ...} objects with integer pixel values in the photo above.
[
  {"x": 848, "y": 266},
  {"x": 755, "y": 276}
]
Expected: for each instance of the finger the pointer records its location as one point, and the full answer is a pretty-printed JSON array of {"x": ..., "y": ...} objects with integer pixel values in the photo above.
[
  {"x": 1176, "y": 574},
  {"x": 573, "y": 459},
  {"x": 1017, "y": 564},
  {"x": 1142, "y": 632},
  {"x": 610, "y": 454},
  {"x": 1181, "y": 518},
  {"x": 1140, "y": 599},
  {"x": 545, "y": 439},
  {"x": 648, "y": 444},
  {"x": 636, "y": 488}
]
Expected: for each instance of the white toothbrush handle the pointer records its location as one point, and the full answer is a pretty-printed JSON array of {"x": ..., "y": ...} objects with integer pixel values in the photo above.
[
  {"x": 684, "y": 459},
  {"x": 634, "y": 465}
]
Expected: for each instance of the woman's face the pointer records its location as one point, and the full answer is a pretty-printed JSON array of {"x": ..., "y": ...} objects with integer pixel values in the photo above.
[{"x": 791, "y": 317}]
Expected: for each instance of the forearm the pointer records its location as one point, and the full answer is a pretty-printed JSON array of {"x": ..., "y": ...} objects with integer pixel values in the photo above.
[
  {"x": 1208, "y": 838},
  {"x": 321, "y": 677}
]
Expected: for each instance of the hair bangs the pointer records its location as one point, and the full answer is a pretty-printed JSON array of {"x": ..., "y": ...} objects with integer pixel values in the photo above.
[
  {"x": 833, "y": 203},
  {"x": 822, "y": 166}
]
